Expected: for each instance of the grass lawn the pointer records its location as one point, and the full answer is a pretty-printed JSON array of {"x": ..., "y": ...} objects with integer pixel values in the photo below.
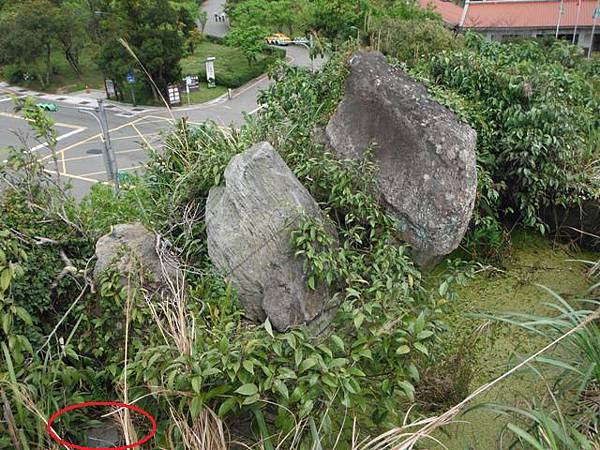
[
  {"x": 231, "y": 66},
  {"x": 204, "y": 94},
  {"x": 65, "y": 80}
]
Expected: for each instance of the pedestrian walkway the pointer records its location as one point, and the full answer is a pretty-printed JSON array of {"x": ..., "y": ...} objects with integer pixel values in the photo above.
[
  {"x": 83, "y": 99},
  {"x": 213, "y": 26}
]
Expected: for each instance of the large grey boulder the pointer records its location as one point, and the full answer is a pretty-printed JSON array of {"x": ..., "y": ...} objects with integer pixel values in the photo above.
[
  {"x": 427, "y": 171},
  {"x": 249, "y": 223},
  {"x": 127, "y": 241}
]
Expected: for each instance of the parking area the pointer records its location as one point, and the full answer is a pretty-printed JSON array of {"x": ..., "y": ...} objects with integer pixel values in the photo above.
[
  {"x": 83, "y": 160},
  {"x": 16, "y": 133}
]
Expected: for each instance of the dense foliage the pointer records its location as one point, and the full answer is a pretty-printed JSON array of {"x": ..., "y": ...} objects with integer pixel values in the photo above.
[{"x": 536, "y": 108}]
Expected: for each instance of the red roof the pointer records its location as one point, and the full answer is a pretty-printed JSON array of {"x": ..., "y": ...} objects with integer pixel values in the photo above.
[{"x": 516, "y": 13}]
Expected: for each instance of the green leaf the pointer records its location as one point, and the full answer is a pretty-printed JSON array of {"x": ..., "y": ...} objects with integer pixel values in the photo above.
[
  {"x": 282, "y": 389},
  {"x": 420, "y": 323},
  {"x": 197, "y": 384},
  {"x": 249, "y": 366},
  {"x": 421, "y": 348},
  {"x": 403, "y": 350},
  {"x": 23, "y": 315},
  {"x": 338, "y": 362},
  {"x": 311, "y": 282},
  {"x": 247, "y": 389},
  {"x": 358, "y": 320},
  {"x": 307, "y": 364},
  {"x": 424, "y": 335},
  {"x": 226, "y": 406},
  {"x": 251, "y": 399},
  {"x": 339, "y": 343},
  {"x": 408, "y": 389},
  {"x": 269, "y": 328},
  {"x": 5, "y": 278}
]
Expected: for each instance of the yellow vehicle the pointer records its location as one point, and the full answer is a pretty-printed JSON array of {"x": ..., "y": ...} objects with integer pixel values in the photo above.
[{"x": 279, "y": 39}]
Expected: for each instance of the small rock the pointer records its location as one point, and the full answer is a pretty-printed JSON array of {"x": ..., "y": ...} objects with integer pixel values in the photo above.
[{"x": 126, "y": 239}]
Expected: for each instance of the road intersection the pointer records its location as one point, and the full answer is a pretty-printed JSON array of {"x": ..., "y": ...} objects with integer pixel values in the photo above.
[{"x": 79, "y": 149}]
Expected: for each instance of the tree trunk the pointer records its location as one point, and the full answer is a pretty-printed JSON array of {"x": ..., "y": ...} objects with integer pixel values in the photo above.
[
  {"x": 48, "y": 64},
  {"x": 73, "y": 61}
]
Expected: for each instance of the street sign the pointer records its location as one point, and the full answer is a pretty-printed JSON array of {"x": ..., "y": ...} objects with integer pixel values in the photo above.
[
  {"x": 210, "y": 71},
  {"x": 174, "y": 95},
  {"x": 192, "y": 82},
  {"x": 130, "y": 77}
]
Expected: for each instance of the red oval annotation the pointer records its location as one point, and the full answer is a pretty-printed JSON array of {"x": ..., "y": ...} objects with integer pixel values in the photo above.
[{"x": 76, "y": 406}]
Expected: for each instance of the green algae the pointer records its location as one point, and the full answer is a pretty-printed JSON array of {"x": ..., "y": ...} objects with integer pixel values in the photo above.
[{"x": 496, "y": 347}]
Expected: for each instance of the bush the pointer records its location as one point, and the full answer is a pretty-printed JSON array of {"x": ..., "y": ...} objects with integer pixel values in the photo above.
[
  {"x": 413, "y": 40},
  {"x": 536, "y": 111},
  {"x": 14, "y": 73}
]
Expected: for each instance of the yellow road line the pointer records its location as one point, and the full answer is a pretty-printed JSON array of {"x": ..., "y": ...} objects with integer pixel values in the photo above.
[
  {"x": 142, "y": 136},
  {"x": 76, "y": 177},
  {"x": 85, "y": 141}
]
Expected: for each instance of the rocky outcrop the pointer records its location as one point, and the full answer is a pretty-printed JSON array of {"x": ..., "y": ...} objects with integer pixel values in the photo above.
[
  {"x": 427, "y": 170},
  {"x": 127, "y": 241},
  {"x": 249, "y": 223}
]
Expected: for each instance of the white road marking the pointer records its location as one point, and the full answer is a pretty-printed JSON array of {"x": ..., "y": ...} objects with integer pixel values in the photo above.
[
  {"x": 255, "y": 110},
  {"x": 58, "y": 139}
]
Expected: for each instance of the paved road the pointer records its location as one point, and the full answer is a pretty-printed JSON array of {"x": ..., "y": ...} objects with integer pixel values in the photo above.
[
  {"x": 79, "y": 148},
  {"x": 213, "y": 27}
]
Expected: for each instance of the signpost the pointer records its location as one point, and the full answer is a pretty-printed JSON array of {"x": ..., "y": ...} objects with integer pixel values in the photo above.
[
  {"x": 210, "y": 71},
  {"x": 131, "y": 81},
  {"x": 108, "y": 154},
  {"x": 192, "y": 83}
]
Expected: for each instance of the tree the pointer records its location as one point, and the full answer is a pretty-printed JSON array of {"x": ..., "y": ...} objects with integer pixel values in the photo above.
[
  {"x": 250, "y": 40},
  {"x": 153, "y": 31},
  {"x": 27, "y": 37},
  {"x": 202, "y": 19},
  {"x": 70, "y": 33}
]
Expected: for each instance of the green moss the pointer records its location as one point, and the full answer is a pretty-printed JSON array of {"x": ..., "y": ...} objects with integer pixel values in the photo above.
[{"x": 498, "y": 347}]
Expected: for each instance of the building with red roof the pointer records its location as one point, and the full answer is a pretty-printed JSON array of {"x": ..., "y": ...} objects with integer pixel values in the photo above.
[{"x": 501, "y": 19}]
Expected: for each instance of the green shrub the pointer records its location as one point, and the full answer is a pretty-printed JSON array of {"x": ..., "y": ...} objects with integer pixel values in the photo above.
[
  {"x": 14, "y": 73},
  {"x": 536, "y": 112},
  {"x": 413, "y": 40}
]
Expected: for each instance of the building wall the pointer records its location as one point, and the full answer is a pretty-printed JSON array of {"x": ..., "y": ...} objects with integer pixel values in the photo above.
[{"x": 583, "y": 35}]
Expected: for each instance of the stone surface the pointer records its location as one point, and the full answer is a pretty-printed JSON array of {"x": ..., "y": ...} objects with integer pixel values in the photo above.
[
  {"x": 249, "y": 224},
  {"x": 127, "y": 239},
  {"x": 427, "y": 170}
]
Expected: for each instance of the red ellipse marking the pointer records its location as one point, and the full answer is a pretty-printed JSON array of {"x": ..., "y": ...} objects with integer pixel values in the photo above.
[{"x": 66, "y": 409}]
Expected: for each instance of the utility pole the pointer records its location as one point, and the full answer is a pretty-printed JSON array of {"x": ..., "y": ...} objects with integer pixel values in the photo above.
[
  {"x": 561, "y": 10},
  {"x": 108, "y": 154},
  {"x": 576, "y": 22},
  {"x": 595, "y": 17}
]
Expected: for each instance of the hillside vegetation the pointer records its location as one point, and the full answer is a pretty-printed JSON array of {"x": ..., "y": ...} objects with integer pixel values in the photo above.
[{"x": 404, "y": 345}]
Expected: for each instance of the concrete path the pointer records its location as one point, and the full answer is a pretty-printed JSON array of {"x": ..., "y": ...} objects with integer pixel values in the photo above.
[{"x": 213, "y": 27}]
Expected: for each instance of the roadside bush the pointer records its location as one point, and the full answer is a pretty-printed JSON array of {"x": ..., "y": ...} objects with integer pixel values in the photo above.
[
  {"x": 13, "y": 73},
  {"x": 413, "y": 40}
]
